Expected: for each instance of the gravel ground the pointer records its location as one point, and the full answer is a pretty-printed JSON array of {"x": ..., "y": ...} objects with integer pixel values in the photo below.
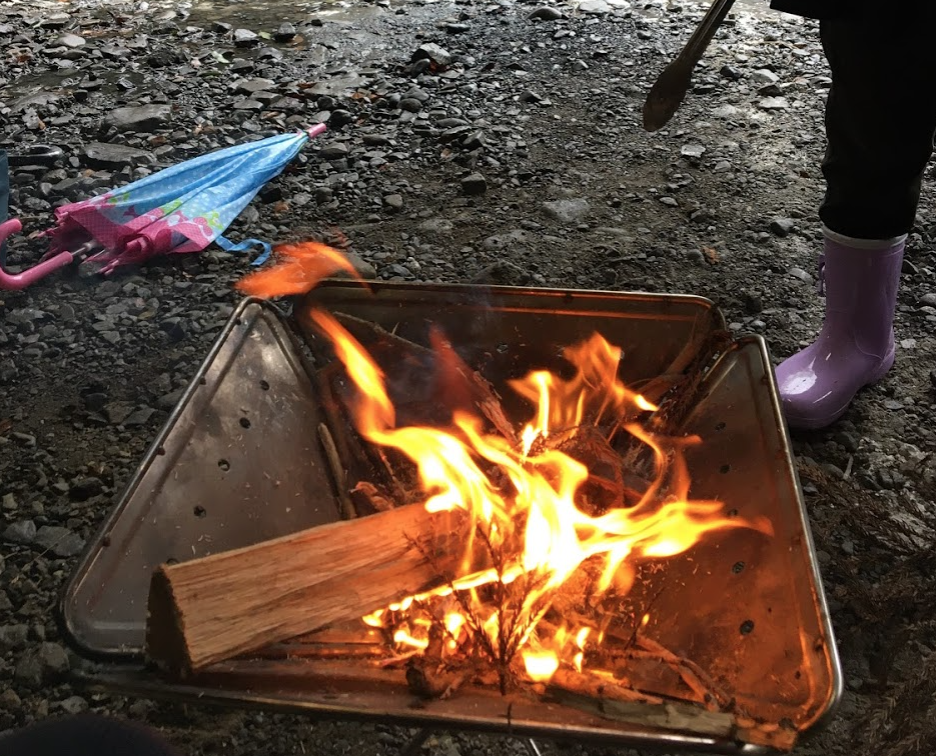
[{"x": 483, "y": 140}]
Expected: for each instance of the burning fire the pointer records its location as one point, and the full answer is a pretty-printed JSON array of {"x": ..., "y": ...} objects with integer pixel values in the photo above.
[{"x": 531, "y": 533}]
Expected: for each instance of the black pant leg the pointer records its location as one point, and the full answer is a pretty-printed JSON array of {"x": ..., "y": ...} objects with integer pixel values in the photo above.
[{"x": 880, "y": 118}]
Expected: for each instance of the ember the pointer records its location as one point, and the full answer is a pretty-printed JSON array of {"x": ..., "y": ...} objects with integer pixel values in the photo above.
[{"x": 555, "y": 533}]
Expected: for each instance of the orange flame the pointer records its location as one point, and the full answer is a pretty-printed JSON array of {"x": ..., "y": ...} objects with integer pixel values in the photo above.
[
  {"x": 537, "y": 518},
  {"x": 303, "y": 266}
]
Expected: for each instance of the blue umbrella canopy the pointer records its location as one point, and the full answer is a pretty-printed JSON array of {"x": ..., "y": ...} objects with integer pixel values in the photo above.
[{"x": 180, "y": 209}]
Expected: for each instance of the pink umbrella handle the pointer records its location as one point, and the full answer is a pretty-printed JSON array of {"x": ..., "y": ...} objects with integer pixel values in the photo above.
[{"x": 17, "y": 281}]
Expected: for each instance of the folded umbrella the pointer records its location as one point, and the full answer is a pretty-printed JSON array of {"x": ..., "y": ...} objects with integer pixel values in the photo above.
[
  {"x": 180, "y": 209},
  {"x": 4, "y": 199}
]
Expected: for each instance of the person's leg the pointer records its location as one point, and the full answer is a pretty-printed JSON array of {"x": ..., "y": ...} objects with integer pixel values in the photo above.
[
  {"x": 880, "y": 123},
  {"x": 84, "y": 735}
]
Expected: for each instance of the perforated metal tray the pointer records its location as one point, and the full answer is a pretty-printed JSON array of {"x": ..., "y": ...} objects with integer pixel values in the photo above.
[{"x": 238, "y": 462}]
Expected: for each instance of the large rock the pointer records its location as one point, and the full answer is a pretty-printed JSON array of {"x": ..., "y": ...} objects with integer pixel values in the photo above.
[
  {"x": 144, "y": 118},
  {"x": 114, "y": 156}
]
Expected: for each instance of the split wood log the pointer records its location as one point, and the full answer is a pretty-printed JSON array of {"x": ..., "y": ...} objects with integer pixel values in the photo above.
[{"x": 217, "y": 607}]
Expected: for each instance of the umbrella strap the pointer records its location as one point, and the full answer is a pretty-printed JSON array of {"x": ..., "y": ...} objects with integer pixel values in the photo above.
[{"x": 228, "y": 246}]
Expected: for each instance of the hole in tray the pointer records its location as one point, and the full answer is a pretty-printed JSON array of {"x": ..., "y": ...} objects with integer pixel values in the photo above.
[
  {"x": 200, "y": 511},
  {"x": 724, "y": 469},
  {"x": 224, "y": 464},
  {"x": 737, "y": 568},
  {"x": 172, "y": 560},
  {"x": 265, "y": 385},
  {"x": 719, "y": 426},
  {"x": 245, "y": 423},
  {"x": 747, "y": 627}
]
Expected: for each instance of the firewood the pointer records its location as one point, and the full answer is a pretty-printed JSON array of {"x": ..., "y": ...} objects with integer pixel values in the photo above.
[
  {"x": 568, "y": 681},
  {"x": 665, "y": 716},
  {"x": 338, "y": 472},
  {"x": 217, "y": 607}
]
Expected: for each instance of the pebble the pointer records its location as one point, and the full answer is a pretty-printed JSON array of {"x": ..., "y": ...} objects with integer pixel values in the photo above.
[
  {"x": 13, "y": 637},
  {"x": 692, "y": 150},
  {"x": 764, "y": 76},
  {"x": 773, "y": 103},
  {"x": 22, "y": 531},
  {"x": 546, "y": 13},
  {"x": 567, "y": 211},
  {"x": 246, "y": 38},
  {"x": 474, "y": 185},
  {"x": 394, "y": 201},
  {"x": 74, "y": 705},
  {"x": 802, "y": 275},
  {"x": 83, "y": 489},
  {"x": 285, "y": 33},
  {"x": 730, "y": 72},
  {"x": 60, "y": 541},
  {"x": 144, "y": 118},
  {"x": 334, "y": 151},
  {"x": 782, "y": 227},
  {"x": 42, "y": 665},
  {"x": 431, "y": 51},
  {"x": 71, "y": 40},
  {"x": 114, "y": 156}
]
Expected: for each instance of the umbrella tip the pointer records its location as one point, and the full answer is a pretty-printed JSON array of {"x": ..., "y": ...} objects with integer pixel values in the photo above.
[{"x": 314, "y": 131}]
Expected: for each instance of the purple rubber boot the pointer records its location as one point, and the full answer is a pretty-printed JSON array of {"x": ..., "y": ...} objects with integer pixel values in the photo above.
[{"x": 856, "y": 344}]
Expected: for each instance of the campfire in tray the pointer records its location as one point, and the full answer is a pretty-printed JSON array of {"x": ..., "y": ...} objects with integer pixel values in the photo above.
[{"x": 480, "y": 548}]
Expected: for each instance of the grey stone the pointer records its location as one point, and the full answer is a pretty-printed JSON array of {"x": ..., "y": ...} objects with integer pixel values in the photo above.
[
  {"x": 60, "y": 541},
  {"x": 692, "y": 150},
  {"x": 431, "y": 51},
  {"x": 13, "y": 636},
  {"x": 74, "y": 705},
  {"x": 773, "y": 103},
  {"x": 782, "y": 227},
  {"x": 567, "y": 210},
  {"x": 114, "y": 156},
  {"x": 437, "y": 226},
  {"x": 245, "y": 38},
  {"x": 801, "y": 274},
  {"x": 144, "y": 118},
  {"x": 23, "y": 531},
  {"x": 139, "y": 418},
  {"x": 117, "y": 412},
  {"x": 546, "y": 13},
  {"x": 71, "y": 40},
  {"x": 334, "y": 151},
  {"x": 474, "y": 185},
  {"x": 83, "y": 489},
  {"x": 285, "y": 33},
  {"x": 764, "y": 76},
  {"x": 594, "y": 7},
  {"x": 250, "y": 86}
]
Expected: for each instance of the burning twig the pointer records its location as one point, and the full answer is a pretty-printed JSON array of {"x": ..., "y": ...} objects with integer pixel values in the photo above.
[{"x": 338, "y": 471}]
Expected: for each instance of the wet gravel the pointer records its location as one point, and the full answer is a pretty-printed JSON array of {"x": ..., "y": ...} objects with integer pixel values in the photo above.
[{"x": 485, "y": 140}]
